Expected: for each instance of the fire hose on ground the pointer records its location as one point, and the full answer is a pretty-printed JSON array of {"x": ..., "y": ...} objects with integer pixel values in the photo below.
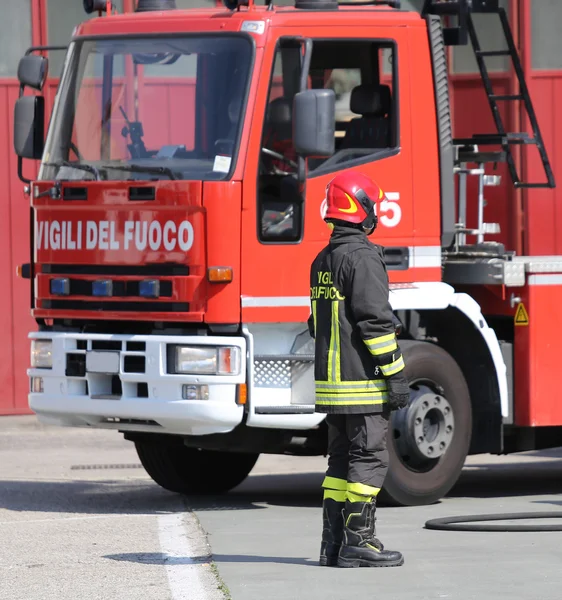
[{"x": 463, "y": 523}]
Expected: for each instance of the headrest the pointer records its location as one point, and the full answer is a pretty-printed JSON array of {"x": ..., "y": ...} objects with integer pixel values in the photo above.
[
  {"x": 370, "y": 100},
  {"x": 279, "y": 111},
  {"x": 234, "y": 107},
  {"x": 279, "y": 117}
]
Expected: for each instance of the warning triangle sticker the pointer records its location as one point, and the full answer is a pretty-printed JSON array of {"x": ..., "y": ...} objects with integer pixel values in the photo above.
[{"x": 521, "y": 316}]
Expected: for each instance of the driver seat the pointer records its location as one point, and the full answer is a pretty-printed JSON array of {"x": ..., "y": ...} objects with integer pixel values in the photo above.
[{"x": 372, "y": 128}]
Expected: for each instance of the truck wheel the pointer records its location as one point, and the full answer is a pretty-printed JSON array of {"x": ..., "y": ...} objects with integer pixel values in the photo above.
[
  {"x": 184, "y": 470},
  {"x": 429, "y": 440}
]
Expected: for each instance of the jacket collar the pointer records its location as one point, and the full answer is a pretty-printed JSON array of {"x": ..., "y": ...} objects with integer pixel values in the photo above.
[{"x": 345, "y": 235}]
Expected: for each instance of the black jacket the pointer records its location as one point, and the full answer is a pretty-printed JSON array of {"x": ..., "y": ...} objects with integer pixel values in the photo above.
[{"x": 352, "y": 323}]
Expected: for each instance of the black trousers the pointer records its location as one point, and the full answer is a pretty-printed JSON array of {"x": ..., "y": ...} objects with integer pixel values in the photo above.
[{"x": 357, "y": 451}]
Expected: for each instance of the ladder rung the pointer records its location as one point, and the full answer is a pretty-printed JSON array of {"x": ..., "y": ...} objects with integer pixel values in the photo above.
[
  {"x": 520, "y": 138},
  {"x": 522, "y": 184},
  {"x": 492, "y": 52},
  {"x": 506, "y": 97},
  {"x": 519, "y": 135}
]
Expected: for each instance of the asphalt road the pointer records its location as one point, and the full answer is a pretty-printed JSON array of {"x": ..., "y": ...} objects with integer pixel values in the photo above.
[{"x": 79, "y": 519}]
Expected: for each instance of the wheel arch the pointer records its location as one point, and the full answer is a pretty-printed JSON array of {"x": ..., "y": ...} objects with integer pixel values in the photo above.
[{"x": 455, "y": 322}]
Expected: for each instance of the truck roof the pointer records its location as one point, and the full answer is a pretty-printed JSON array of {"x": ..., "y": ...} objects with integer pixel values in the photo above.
[{"x": 219, "y": 19}]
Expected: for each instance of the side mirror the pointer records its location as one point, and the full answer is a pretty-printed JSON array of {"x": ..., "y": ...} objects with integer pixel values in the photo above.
[
  {"x": 314, "y": 118},
  {"x": 32, "y": 71},
  {"x": 29, "y": 127}
]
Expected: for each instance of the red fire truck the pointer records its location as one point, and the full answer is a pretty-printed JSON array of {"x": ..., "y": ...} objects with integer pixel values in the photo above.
[{"x": 179, "y": 204}]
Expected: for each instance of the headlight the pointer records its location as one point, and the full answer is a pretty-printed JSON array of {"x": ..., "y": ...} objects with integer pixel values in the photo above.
[
  {"x": 207, "y": 360},
  {"x": 42, "y": 354}
]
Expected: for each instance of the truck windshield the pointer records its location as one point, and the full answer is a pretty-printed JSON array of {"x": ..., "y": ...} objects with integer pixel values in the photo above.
[{"x": 149, "y": 108}]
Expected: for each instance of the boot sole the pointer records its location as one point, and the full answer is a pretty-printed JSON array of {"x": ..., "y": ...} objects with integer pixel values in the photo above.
[
  {"x": 348, "y": 563},
  {"x": 328, "y": 562}
]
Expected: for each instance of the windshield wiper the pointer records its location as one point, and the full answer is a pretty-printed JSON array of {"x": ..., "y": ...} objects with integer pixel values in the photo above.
[
  {"x": 77, "y": 166},
  {"x": 142, "y": 169}
]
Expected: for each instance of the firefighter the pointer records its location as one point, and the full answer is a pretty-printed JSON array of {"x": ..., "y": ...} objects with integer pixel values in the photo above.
[{"x": 358, "y": 372}]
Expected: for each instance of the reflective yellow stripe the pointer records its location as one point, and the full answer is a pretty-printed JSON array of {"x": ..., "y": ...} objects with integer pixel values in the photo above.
[
  {"x": 334, "y": 358},
  {"x": 351, "y": 394},
  {"x": 377, "y": 385},
  {"x": 346, "y": 390},
  {"x": 393, "y": 368},
  {"x": 362, "y": 489},
  {"x": 314, "y": 315},
  {"x": 331, "y": 351},
  {"x": 351, "y": 497},
  {"x": 326, "y": 402},
  {"x": 376, "y": 348},
  {"x": 337, "y": 495},
  {"x": 381, "y": 339},
  {"x": 336, "y": 327},
  {"x": 333, "y": 483}
]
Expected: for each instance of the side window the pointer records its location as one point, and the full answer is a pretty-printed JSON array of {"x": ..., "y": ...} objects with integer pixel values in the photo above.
[
  {"x": 363, "y": 75},
  {"x": 279, "y": 207}
]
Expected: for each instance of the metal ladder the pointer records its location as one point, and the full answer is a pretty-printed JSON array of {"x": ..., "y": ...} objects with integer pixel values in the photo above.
[{"x": 463, "y": 10}]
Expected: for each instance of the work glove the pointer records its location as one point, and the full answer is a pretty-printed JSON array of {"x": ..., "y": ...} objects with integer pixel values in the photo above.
[{"x": 398, "y": 391}]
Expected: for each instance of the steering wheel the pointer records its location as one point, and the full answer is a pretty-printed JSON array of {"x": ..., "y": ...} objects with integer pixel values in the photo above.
[
  {"x": 282, "y": 217},
  {"x": 282, "y": 158}
]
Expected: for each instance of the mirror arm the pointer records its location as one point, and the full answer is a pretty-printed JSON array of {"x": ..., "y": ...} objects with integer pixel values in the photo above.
[
  {"x": 305, "y": 68},
  {"x": 44, "y": 49},
  {"x": 22, "y": 177}
]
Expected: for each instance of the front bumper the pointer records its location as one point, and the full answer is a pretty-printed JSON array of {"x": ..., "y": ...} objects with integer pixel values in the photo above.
[{"x": 150, "y": 400}]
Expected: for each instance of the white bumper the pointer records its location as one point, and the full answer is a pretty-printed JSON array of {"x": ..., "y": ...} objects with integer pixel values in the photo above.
[{"x": 150, "y": 400}]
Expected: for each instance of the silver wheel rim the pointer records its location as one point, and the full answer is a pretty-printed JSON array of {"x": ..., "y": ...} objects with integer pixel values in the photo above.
[{"x": 424, "y": 430}]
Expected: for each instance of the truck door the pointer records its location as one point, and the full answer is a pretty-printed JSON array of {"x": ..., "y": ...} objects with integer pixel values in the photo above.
[{"x": 281, "y": 231}]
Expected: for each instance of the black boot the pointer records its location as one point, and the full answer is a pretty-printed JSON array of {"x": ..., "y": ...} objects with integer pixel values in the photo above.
[
  {"x": 360, "y": 547},
  {"x": 332, "y": 532}
]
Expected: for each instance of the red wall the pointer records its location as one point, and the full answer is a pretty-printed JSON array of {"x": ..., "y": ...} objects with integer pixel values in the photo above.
[{"x": 15, "y": 321}]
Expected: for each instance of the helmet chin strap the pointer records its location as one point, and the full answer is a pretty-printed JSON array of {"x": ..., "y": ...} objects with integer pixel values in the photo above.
[{"x": 371, "y": 221}]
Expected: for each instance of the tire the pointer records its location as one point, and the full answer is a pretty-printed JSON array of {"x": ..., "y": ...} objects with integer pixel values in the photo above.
[
  {"x": 191, "y": 471},
  {"x": 425, "y": 483}
]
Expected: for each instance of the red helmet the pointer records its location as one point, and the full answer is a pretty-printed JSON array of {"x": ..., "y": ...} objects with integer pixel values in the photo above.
[{"x": 351, "y": 197}]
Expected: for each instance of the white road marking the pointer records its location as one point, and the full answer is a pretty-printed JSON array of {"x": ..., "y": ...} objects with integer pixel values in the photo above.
[{"x": 180, "y": 542}]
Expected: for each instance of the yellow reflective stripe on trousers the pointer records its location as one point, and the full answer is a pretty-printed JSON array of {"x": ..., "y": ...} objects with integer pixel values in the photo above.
[
  {"x": 363, "y": 489},
  {"x": 333, "y": 483},
  {"x": 352, "y": 497},
  {"x": 393, "y": 367},
  {"x": 337, "y": 495},
  {"x": 334, "y": 370},
  {"x": 382, "y": 345}
]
